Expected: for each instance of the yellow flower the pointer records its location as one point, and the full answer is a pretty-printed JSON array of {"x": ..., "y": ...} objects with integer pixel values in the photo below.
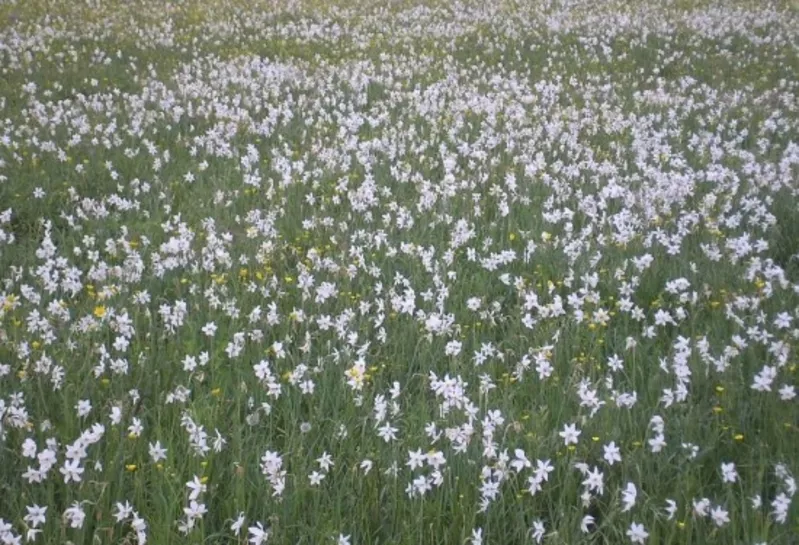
[
  {"x": 131, "y": 467},
  {"x": 99, "y": 311},
  {"x": 8, "y": 304}
]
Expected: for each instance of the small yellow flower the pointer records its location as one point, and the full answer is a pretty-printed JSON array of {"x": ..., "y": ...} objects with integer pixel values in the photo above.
[
  {"x": 8, "y": 304},
  {"x": 739, "y": 437},
  {"x": 216, "y": 392},
  {"x": 131, "y": 467},
  {"x": 99, "y": 311}
]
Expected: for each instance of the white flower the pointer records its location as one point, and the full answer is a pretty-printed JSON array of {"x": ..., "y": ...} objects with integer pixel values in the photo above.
[
  {"x": 453, "y": 348},
  {"x": 83, "y": 407},
  {"x": 671, "y": 508},
  {"x": 611, "y": 453},
  {"x": 366, "y": 466},
  {"x": 195, "y": 510},
  {"x": 537, "y": 531},
  {"x": 209, "y": 329},
  {"x": 477, "y": 536},
  {"x": 728, "y": 472},
  {"x": 71, "y": 471},
  {"x": 637, "y": 533},
  {"x": 787, "y": 392},
  {"x": 258, "y": 535},
  {"x": 570, "y": 434},
  {"x": 628, "y": 496},
  {"x": 720, "y": 516},
  {"x": 36, "y": 515},
  {"x": 157, "y": 452},
  {"x": 237, "y": 524},
  {"x": 325, "y": 461},
  {"x": 415, "y": 459},
  {"x": 387, "y": 432},
  {"x": 197, "y": 487},
  {"x": 124, "y": 511},
  {"x": 594, "y": 481}
]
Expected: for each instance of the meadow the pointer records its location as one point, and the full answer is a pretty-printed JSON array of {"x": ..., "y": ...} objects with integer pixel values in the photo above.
[{"x": 364, "y": 273}]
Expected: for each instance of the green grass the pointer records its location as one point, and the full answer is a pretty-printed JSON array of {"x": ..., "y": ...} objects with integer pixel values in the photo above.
[{"x": 448, "y": 115}]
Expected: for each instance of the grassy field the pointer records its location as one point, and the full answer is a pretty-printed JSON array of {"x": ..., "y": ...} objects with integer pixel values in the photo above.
[{"x": 396, "y": 273}]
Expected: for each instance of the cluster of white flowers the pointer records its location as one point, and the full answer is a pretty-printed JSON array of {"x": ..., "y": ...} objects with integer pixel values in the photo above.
[{"x": 542, "y": 257}]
